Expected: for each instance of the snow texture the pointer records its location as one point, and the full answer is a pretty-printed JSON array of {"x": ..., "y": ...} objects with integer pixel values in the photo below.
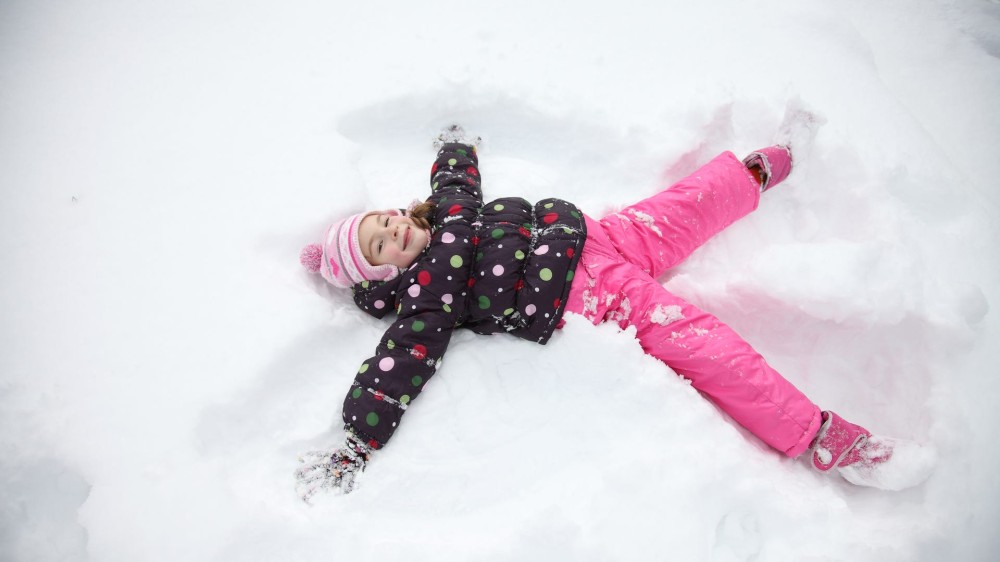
[{"x": 165, "y": 357}]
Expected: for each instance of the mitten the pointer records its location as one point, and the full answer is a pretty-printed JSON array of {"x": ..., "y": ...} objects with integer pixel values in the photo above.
[
  {"x": 455, "y": 133},
  {"x": 328, "y": 470}
]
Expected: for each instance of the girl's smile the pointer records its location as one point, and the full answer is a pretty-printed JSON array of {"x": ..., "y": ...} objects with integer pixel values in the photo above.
[{"x": 391, "y": 239}]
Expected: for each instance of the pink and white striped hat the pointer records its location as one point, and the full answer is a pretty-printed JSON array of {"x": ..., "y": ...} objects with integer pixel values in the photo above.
[{"x": 339, "y": 258}]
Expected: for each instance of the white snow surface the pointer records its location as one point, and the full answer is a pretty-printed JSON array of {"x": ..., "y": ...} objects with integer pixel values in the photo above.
[{"x": 165, "y": 358}]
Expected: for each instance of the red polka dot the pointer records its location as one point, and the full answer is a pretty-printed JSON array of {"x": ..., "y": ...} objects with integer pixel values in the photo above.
[
  {"x": 434, "y": 168},
  {"x": 569, "y": 252},
  {"x": 419, "y": 351},
  {"x": 550, "y": 218},
  {"x": 472, "y": 281},
  {"x": 525, "y": 232},
  {"x": 556, "y": 303},
  {"x": 519, "y": 285},
  {"x": 379, "y": 395},
  {"x": 471, "y": 170},
  {"x": 454, "y": 209},
  {"x": 475, "y": 240},
  {"x": 424, "y": 278},
  {"x": 373, "y": 444}
]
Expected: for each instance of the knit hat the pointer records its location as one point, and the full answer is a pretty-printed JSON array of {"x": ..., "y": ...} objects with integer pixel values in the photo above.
[{"x": 339, "y": 258}]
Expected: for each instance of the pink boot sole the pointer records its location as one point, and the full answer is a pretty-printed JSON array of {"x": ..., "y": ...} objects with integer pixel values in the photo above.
[{"x": 774, "y": 163}]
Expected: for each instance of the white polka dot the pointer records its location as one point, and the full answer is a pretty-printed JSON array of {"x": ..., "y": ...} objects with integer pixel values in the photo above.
[
  {"x": 354, "y": 418},
  {"x": 546, "y": 314},
  {"x": 500, "y": 290},
  {"x": 542, "y": 250},
  {"x": 386, "y": 364},
  {"x": 447, "y": 299},
  {"x": 447, "y": 238},
  {"x": 449, "y": 278},
  {"x": 414, "y": 290},
  {"x": 380, "y": 304},
  {"x": 498, "y": 270}
]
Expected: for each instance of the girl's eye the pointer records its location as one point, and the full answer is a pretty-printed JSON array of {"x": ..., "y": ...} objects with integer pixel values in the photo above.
[
  {"x": 387, "y": 222},
  {"x": 380, "y": 247}
]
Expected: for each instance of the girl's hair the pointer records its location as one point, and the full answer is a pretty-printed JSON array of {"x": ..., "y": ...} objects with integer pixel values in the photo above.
[{"x": 422, "y": 214}]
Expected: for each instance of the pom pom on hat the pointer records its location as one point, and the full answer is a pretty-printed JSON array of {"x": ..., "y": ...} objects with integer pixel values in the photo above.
[{"x": 311, "y": 257}]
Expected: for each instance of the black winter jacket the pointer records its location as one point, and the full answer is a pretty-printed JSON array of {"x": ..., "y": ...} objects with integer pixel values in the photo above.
[{"x": 504, "y": 266}]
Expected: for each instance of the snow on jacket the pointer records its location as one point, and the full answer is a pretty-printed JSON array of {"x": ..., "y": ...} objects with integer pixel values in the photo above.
[{"x": 503, "y": 266}]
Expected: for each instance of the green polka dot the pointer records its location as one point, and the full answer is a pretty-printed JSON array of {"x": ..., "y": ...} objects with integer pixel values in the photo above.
[
  {"x": 404, "y": 399},
  {"x": 434, "y": 186},
  {"x": 484, "y": 302},
  {"x": 364, "y": 367},
  {"x": 508, "y": 312},
  {"x": 462, "y": 152},
  {"x": 446, "y": 308},
  {"x": 497, "y": 233},
  {"x": 364, "y": 284},
  {"x": 545, "y": 274},
  {"x": 418, "y": 326},
  {"x": 548, "y": 205},
  {"x": 575, "y": 214},
  {"x": 569, "y": 276},
  {"x": 452, "y": 161},
  {"x": 415, "y": 381},
  {"x": 456, "y": 261},
  {"x": 567, "y": 230},
  {"x": 357, "y": 393},
  {"x": 372, "y": 419},
  {"x": 519, "y": 255},
  {"x": 390, "y": 344},
  {"x": 498, "y": 207},
  {"x": 527, "y": 225},
  {"x": 479, "y": 256}
]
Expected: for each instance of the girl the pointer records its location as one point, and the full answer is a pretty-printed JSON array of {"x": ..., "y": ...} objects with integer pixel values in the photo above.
[{"x": 516, "y": 267}]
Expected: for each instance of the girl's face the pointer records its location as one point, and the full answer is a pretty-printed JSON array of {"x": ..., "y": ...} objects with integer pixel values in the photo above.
[{"x": 396, "y": 240}]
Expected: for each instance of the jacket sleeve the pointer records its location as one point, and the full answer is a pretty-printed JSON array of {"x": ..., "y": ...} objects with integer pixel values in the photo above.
[{"x": 429, "y": 302}]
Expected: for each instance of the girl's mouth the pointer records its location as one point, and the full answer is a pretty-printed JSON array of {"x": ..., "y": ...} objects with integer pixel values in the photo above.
[{"x": 406, "y": 238}]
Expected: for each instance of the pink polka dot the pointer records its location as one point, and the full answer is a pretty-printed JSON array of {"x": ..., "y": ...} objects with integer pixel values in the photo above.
[
  {"x": 498, "y": 270},
  {"x": 379, "y": 304},
  {"x": 542, "y": 250},
  {"x": 529, "y": 310},
  {"x": 414, "y": 290},
  {"x": 446, "y": 299},
  {"x": 447, "y": 238},
  {"x": 386, "y": 364}
]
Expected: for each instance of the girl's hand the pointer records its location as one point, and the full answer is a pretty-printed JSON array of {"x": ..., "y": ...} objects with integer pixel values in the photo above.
[
  {"x": 329, "y": 470},
  {"x": 455, "y": 133}
]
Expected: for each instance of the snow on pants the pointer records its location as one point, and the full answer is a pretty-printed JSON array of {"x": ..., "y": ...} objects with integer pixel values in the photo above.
[{"x": 616, "y": 280}]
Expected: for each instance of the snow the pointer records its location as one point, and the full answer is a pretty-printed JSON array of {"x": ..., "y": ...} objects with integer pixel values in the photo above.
[{"x": 166, "y": 358}]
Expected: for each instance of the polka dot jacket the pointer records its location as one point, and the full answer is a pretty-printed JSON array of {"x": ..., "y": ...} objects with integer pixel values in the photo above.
[{"x": 503, "y": 266}]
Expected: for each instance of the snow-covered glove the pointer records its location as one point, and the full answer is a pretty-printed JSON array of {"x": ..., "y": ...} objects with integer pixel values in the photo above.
[
  {"x": 455, "y": 133},
  {"x": 328, "y": 470}
]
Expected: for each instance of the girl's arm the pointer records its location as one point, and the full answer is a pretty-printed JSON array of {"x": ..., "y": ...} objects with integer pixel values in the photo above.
[{"x": 429, "y": 301}]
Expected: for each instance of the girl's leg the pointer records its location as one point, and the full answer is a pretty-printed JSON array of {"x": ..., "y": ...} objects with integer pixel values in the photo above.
[
  {"x": 719, "y": 363},
  {"x": 659, "y": 232}
]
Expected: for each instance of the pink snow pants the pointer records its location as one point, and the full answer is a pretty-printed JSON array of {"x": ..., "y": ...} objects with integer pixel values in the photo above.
[{"x": 615, "y": 280}]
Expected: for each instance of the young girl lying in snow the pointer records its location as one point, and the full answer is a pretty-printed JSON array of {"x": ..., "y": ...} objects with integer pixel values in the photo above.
[{"x": 516, "y": 267}]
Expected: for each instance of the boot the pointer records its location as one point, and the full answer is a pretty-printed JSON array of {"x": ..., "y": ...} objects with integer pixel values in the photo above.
[
  {"x": 771, "y": 164},
  {"x": 867, "y": 460}
]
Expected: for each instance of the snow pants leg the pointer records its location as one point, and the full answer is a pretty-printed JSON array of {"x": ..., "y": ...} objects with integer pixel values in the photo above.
[{"x": 624, "y": 254}]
